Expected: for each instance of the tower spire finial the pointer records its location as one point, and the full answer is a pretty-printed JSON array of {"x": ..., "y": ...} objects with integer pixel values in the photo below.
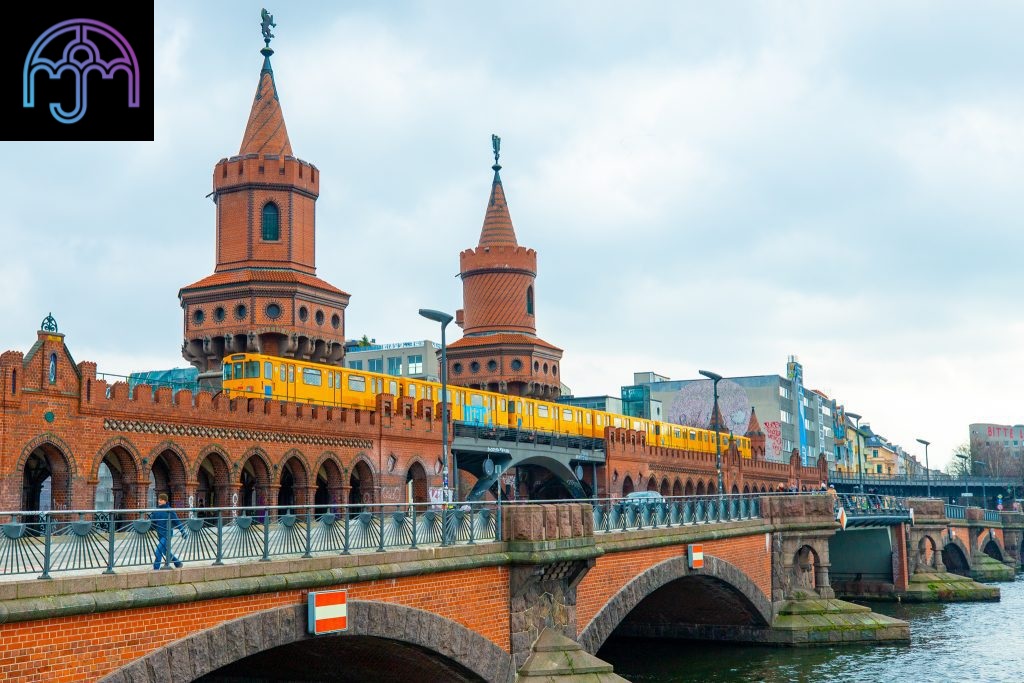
[
  {"x": 496, "y": 146},
  {"x": 266, "y": 23}
]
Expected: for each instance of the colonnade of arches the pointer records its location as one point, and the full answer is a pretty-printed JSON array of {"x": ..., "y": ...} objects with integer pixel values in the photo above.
[
  {"x": 122, "y": 478},
  {"x": 692, "y": 487}
]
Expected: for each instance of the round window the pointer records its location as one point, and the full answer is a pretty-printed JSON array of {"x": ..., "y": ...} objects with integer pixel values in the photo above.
[
  {"x": 474, "y": 367},
  {"x": 240, "y": 311},
  {"x": 457, "y": 368},
  {"x": 218, "y": 314},
  {"x": 273, "y": 311},
  {"x": 335, "y": 321},
  {"x": 319, "y": 317},
  {"x": 492, "y": 365},
  {"x": 198, "y": 316},
  {"x": 517, "y": 365},
  {"x": 303, "y": 314}
]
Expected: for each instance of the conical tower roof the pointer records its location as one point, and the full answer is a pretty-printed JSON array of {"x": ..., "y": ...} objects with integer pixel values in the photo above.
[
  {"x": 265, "y": 133},
  {"x": 754, "y": 426},
  {"x": 717, "y": 421},
  {"x": 497, "y": 230}
]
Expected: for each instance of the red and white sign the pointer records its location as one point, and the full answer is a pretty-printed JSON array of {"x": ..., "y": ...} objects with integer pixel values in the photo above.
[
  {"x": 841, "y": 518},
  {"x": 695, "y": 555},
  {"x": 328, "y": 611}
]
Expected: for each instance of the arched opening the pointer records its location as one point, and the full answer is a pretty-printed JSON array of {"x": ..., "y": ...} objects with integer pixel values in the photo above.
[
  {"x": 361, "y": 486},
  {"x": 805, "y": 570},
  {"x": 271, "y": 222},
  {"x": 168, "y": 472},
  {"x": 213, "y": 485},
  {"x": 700, "y": 488},
  {"x": 991, "y": 548},
  {"x": 746, "y": 488},
  {"x": 652, "y": 483},
  {"x": 677, "y": 488},
  {"x": 928, "y": 557},
  {"x": 416, "y": 484},
  {"x": 955, "y": 560},
  {"x": 117, "y": 486},
  {"x": 627, "y": 485},
  {"x": 328, "y": 483},
  {"x": 664, "y": 490},
  {"x": 735, "y": 488},
  {"x": 254, "y": 480},
  {"x": 712, "y": 488},
  {"x": 46, "y": 480},
  {"x": 293, "y": 483},
  {"x": 529, "y": 300},
  {"x": 690, "y": 490}
]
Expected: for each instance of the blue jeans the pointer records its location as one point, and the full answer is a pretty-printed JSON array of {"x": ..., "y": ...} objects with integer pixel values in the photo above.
[{"x": 161, "y": 550}]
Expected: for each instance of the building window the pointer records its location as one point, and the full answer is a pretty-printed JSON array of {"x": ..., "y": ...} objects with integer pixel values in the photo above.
[
  {"x": 395, "y": 366},
  {"x": 415, "y": 365},
  {"x": 273, "y": 311},
  {"x": 474, "y": 367},
  {"x": 529, "y": 300},
  {"x": 53, "y": 368},
  {"x": 319, "y": 317},
  {"x": 198, "y": 316},
  {"x": 355, "y": 364},
  {"x": 787, "y": 417},
  {"x": 375, "y": 364},
  {"x": 784, "y": 392},
  {"x": 517, "y": 365},
  {"x": 492, "y": 365},
  {"x": 218, "y": 314},
  {"x": 335, "y": 321},
  {"x": 457, "y": 368},
  {"x": 240, "y": 311},
  {"x": 271, "y": 227},
  {"x": 303, "y": 313}
]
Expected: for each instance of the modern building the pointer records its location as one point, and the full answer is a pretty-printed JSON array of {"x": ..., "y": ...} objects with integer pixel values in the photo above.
[
  {"x": 990, "y": 435},
  {"x": 609, "y": 404},
  {"x": 790, "y": 415},
  {"x": 416, "y": 359}
]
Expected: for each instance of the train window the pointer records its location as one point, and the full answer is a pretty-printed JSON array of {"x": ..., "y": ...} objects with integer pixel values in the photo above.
[
  {"x": 284, "y": 373},
  {"x": 393, "y": 388},
  {"x": 587, "y": 416},
  {"x": 330, "y": 380},
  {"x": 567, "y": 414},
  {"x": 412, "y": 390},
  {"x": 529, "y": 409},
  {"x": 503, "y": 408},
  {"x": 657, "y": 430},
  {"x": 311, "y": 377},
  {"x": 675, "y": 433},
  {"x": 542, "y": 411},
  {"x": 252, "y": 369},
  {"x": 618, "y": 421},
  {"x": 238, "y": 371},
  {"x": 268, "y": 370},
  {"x": 357, "y": 383},
  {"x": 476, "y": 400},
  {"x": 428, "y": 393},
  {"x": 693, "y": 434},
  {"x": 227, "y": 371},
  {"x": 291, "y": 374},
  {"x": 600, "y": 421}
]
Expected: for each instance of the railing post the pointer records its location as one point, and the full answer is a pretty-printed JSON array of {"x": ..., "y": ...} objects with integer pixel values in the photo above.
[
  {"x": 309, "y": 532},
  {"x": 497, "y": 515},
  {"x": 344, "y": 548},
  {"x": 220, "y": 538},
  {"x": 110, "y": 545},
  {"x": 413, "y": 546},
  {"x": 471, "y": 526},
  {"x": 167, "y": 546},
  {"x": 266, "y": 537},
  {"x": 444, "y": 524},
  {"x": 47, "y": 546},
  {"x": 380, "y": 541}
]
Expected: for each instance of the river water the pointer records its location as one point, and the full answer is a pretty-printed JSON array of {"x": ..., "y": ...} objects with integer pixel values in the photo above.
[{"x": 981, "y": 641}]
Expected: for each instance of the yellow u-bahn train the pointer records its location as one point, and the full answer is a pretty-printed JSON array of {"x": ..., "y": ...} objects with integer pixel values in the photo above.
[{"x": 284, "y": 379}]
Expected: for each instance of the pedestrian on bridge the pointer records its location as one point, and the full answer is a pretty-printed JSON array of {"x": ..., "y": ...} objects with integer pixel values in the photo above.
[{"x": 165, "y": 520}]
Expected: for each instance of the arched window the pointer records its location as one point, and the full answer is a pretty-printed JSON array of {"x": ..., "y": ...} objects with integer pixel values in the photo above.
[
  {"x": 53, "y": 368},
  {"x": 271, "y": 226},
  {"x": 529, "y": 300}
]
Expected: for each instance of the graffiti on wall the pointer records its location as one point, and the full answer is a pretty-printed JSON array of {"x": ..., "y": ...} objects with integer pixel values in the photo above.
[
  {"x": 773, "y": 439},
  {"x": 693, "y": 405}
]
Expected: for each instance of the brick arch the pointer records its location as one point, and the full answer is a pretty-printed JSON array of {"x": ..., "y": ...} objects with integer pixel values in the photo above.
[
  {"x": 958, "y": 545},
  {"x": 48, "y": 439},
  {"x": 128, "y": 490},
  {"x": 176, "y": 489},
  {"x": 640, "y": 587},
  {"x": 985, "y": 539},
  {"x": 219, "y": 492},
  {"x": 212, "y": 449},
  {"x": 259, "y": 493},
  {"x": 259, "y": 454},
  {"x": 325, "y": 457},
  {"x": 365, "y": 457},
  {"x": 279, "y": 626},
  {"x": 294, "y": 462},
  {"x": 111, "y": 444},
  {"x": 62, "y": 479}
]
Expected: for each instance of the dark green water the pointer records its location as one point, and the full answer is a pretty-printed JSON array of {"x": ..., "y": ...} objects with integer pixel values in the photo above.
[{"x": 981, "y": 641}]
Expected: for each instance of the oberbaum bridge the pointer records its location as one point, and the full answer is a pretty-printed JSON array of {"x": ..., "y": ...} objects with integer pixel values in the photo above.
[{"x": 394, "y": 585}]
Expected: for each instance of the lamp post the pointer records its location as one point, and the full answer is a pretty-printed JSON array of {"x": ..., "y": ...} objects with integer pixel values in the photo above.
[
  {"x": 984, "y": 498},
  {"x": 856, "y": 445},
  {"x": 964, "y": 458},
  {"x": 715, "y": 379},
  {"x": 927, "y": 474},
  {"x": 444, "y": 319}
]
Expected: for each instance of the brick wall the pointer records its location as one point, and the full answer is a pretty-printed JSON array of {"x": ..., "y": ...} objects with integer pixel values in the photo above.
[
  {"x": 88, "y": 647},
  {"x": 614, "y": 570}
]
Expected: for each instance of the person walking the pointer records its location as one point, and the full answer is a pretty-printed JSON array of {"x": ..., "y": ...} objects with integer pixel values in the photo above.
[{"x": 163, "y": 519}]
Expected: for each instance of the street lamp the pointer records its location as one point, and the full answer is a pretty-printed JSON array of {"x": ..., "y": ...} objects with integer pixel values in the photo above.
[
  {"x": 444, "y": 319},
  {"x": 715, "y": 379},
  {"x": 856, "y": 445},
  {"x": 984, "y": 498},
  {"x": 927, "y": 474},
  {"x": 964, "y": 458}
]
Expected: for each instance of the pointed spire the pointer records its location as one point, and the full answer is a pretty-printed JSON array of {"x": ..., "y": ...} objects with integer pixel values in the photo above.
[
  {"x": 753, "y": 427},
  {"x": 717, "y": 421},
  {"x": 497, "y": 230},
  {"x": 265, "y": 133}
]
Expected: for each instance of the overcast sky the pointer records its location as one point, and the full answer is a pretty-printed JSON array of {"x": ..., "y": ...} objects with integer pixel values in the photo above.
[{"x": 708, "y": 185}]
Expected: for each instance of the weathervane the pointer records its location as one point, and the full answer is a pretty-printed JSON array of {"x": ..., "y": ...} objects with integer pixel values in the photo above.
[
  {"x": 496, "y": 146},
  {"x": 266, "y": 24}
]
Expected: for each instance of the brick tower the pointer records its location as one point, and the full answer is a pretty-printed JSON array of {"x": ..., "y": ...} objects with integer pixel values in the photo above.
[
  {"x": 500, "y": 350},
  {"x": 264, "y": 295}
]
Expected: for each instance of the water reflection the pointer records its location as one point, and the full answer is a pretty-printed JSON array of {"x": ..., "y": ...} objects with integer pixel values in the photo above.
[{"x": 957, "y": 642}]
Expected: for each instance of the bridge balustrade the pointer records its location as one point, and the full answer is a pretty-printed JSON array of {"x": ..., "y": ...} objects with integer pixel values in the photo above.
[
  {"x": 956, "y": 511},
  {"x": 633, "y": 514},
  {"x": 511, "y": 435},
  {"x": 992, "y": 516},
  {"x": 871, "y": 503},
  {"x": 67, "y": 541}
]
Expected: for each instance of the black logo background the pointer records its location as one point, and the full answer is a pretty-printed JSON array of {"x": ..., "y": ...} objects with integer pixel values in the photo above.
[{"x": 107, "y": 115}]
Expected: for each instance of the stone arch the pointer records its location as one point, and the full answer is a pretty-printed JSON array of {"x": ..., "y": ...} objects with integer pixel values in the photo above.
[
  {"x": 279, "y": 626},
  {"x": 293, "y": 480},
  {"x": 700, "y": 488},
  {"x": 806, "y": 565},
  {"x": 212, "y": 474},
  {"x": 956, "y": 557},
  {"x": 126, "y": 487},
  {"x": 643, "y": 585},
  {"x": 168, "y": 472},
  {"x": 252, "y": 473},
  {"x": 690, "y": 490},
  {"x": 329, "y": 479},
  {"x": 992, "y": 547},
  {"x": 665, "y": 488},
  {"x": 929, "y": 558},
  {"x": 735, "y": 489},
  {"x": 677, "y": 488},
  {"x": 627, "y": 485},
  {"x": 746, "y": 488},
  {"x": 47, "y": 469},
  {"x": 416, "y": 483},
  {"x": 362, "y": 482},
  {"x": 712, "y": 488},
  {"x": 652, "y": 483}
]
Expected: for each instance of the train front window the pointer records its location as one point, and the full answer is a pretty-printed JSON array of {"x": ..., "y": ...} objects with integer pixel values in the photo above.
[
  {"x": 227, "y": 371},
  {"x": 252, "y": 369},
  {"x": 238, "y": 371}
]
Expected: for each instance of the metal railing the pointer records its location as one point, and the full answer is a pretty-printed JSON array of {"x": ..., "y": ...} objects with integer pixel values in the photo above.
[
  {"x": 936, "y": 478},
  {"x": 871, "y": 503},
  {"x": 993, "y": 516},
  {"x": 956, "y": 511},
  {"x": 511, "y": 435},
  {"x": 51, "y": 542},
  {"x": 633, "y": 514}
]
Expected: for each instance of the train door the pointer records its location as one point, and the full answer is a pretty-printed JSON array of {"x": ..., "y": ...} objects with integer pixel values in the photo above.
[
  {"x": 475, "y": 411},
  {"x": 268, "y": 379}
]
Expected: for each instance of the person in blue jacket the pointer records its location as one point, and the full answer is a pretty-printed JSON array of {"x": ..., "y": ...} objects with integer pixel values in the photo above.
[{"x": 165, "y": 519}]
